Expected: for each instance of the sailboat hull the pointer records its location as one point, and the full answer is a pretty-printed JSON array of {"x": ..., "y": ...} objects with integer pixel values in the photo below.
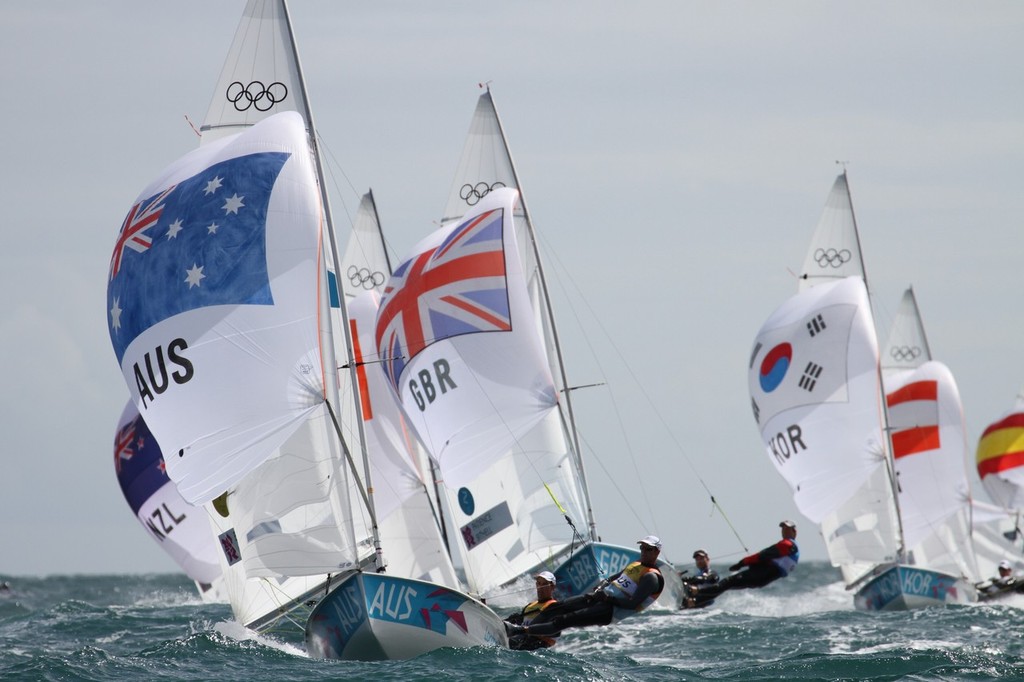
[
  {"x": 595, "y": 561},
  {"x": 374, "y": 616},
  {"x": 902, "y": 588}
]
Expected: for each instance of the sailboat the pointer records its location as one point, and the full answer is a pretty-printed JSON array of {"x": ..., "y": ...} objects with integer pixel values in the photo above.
[
  {"x": 929, "y": 448},
  {"x": 179, "y": 528},
  {"x": 816, "y": 387},
  {"x": 1000, "y": 466},
  {"x": 291, "y": 501},
  {"x": 515, "y": 486}
]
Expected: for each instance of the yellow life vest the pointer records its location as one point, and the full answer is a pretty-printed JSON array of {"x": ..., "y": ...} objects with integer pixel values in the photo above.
[
  {"x": 531, "y": 611},
  {"x": 628, "y": 580}
]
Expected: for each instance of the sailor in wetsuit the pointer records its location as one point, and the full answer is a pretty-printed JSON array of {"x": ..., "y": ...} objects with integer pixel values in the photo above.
[
  {"x": 630, "y": 591},
  {"x": 545, "y": 583},
  {"x": 703, "y": 576},
  {"x": 768, "y": 565}
]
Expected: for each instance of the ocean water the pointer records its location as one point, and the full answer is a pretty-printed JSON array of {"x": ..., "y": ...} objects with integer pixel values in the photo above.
[{"x": 154, "y": 627}]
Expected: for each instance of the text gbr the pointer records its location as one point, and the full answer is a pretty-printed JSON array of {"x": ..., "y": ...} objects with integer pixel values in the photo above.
[{"x": 426, "y": 387}]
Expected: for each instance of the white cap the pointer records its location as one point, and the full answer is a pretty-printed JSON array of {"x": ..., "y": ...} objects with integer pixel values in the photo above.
[
  {"x": 1005, "y": 564},
  {"x": 652, "y": 540},
  {"x": 547, "y": 575}
]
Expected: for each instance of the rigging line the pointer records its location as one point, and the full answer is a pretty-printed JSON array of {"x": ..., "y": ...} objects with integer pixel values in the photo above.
[
  {"x": 334, "y": 160},
  {"x": 335, "y": 164},
  {"x": 351, "y": 463},
  {"x": 647, "y": 397},
  {"x": 568, "y": 519}
]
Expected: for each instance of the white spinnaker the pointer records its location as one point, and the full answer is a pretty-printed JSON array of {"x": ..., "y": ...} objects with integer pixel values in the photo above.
[
  {"x": 181, "y": 529},
  {"x": 929, "y": 449},
  {"x": 1000, "y": 457},
  {"x": 813, "y": 372},
  {"x": 255, "y": 370},
  {"x": 468, "y": 393}
]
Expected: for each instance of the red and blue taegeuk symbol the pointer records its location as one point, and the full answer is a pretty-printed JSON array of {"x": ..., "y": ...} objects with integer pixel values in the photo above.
[{"x": 774, "y": 367}]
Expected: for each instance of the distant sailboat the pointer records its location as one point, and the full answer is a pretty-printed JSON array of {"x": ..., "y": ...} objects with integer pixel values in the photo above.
[
  {"x": 929, "y": 447},
  {"x": 1000, "y": 465},
  {"x": 180, "y": 529},
  {"x": 816, "y": 390}
]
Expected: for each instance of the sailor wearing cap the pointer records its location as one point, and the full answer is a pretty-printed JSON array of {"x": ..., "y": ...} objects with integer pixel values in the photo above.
[
  {"x": 625, "y": 589},
  {"x": 1005, "y": 583},
  {"x": 630, "y": 591},
  {"x": 703, "y": 576},
  {"x": 545, "y": 583},
  {"x": 757, "y": 570}
]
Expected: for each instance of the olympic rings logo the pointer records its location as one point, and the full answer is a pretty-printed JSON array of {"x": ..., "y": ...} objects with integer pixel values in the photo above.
[
  {"x": 905, "y": 353},
  {"x": 255, "y": 94},
  {"x": 831, "y": 257},
  {"x": 362, "y": 277},
  {"x": 472, "y": 194}
]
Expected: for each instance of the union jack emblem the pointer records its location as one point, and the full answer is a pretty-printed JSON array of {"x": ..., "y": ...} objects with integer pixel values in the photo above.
[
  {"x": 123, "y": 443},
  {"x": 459, "y": 287},
  {"x": 133, "y": 230}
]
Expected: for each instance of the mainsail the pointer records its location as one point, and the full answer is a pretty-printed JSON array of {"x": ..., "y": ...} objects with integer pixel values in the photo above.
[{"x": 261, "y": 74}]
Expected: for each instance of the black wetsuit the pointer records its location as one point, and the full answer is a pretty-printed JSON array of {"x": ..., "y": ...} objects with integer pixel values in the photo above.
[
  {"x": 768, "y": 565},
  {"x": 595, "y": 608},
  {"x": 698, "y": 601}
]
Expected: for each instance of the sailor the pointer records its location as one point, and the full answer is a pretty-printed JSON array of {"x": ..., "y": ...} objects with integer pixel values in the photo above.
[
  {"x": 703, "y": 576},
  {"x": 757, "y": 570},
  {"x": 1003, "y": 583},
  {"x": 545, "y": 583},
  {"x": 626, "y": 593}
]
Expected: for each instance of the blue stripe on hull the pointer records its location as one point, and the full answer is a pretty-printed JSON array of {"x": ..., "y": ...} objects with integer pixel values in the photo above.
[
  {"x": 901, "y": 588},
  {"x": 374, "y": 616}
]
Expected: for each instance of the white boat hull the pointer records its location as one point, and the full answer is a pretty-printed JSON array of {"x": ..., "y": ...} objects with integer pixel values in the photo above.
[
  {"x": 374, "y": 616},
  {"x": 903, "y": 588},
  {"x": 594, "y": 561}
]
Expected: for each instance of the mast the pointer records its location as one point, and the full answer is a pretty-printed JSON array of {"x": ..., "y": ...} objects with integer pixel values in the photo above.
[
  {"x": 890, "y": 462},
  {"x": 573, "y": 434},
  {"x": 327, "y": 338}
]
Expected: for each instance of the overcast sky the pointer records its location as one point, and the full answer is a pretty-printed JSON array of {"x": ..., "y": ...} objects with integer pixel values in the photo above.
[{"x": 675, "y": 157}]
